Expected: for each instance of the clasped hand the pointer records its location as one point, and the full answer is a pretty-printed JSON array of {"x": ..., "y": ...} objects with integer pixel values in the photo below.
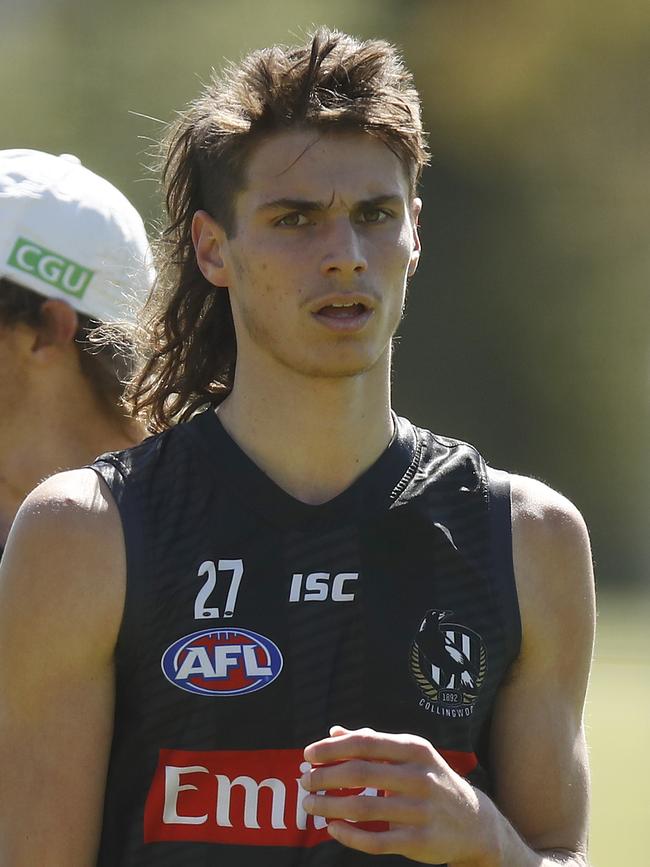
[{"x": 431, "y": 813}]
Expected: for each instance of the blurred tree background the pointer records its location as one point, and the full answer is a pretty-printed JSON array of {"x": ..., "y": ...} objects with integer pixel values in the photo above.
[
  {"x": 527, "y": 327},
  {"x": 527, "y": 330}
]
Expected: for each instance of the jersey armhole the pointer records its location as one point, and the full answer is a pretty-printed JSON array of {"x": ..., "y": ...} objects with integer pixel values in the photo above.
[
  {"x": 500, "y": 518},
  {"x": 111, "y": 474}
]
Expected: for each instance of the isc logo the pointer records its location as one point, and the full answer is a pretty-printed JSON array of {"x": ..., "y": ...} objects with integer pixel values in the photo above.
[
  {"x": 319, "y": 586},
  {"x": 222, "y": 662}
]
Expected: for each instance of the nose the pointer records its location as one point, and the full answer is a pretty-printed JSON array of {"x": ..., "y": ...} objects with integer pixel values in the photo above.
[{"x": 344, "y": 256}]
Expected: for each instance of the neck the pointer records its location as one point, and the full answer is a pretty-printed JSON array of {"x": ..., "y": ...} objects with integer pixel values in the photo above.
[
  {"x": 312, "y": 436},
  {"x": 59, "y": 432}
]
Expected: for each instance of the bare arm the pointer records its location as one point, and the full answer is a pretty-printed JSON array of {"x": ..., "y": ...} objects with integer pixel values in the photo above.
[
  {"x": 538, "y": 743},
  {"x": 539, "y": 815},
  {"x": 61, "y": 596}
]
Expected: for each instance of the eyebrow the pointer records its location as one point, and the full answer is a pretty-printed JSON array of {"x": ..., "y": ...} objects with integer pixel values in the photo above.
[{"x": 314, "y": 205}]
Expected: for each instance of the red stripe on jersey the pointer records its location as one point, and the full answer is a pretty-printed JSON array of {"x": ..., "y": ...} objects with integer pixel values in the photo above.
[{"x": 243, "y": 797}]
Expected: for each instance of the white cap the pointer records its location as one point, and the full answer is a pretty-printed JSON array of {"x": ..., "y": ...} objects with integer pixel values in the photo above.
[{"x": 67, "y": 233}]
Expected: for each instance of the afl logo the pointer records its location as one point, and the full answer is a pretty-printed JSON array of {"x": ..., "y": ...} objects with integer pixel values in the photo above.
[{"x": 222, "y": 662}]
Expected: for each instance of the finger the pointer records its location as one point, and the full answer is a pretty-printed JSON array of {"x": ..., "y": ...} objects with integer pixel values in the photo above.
[
  {"x": 337, "y": 731},
  {"x": 359, "y": 774},
  {"x": 369, "y": 744},
  {"x": 393, "y": 842},
  {"x": 367, "y": 808}
]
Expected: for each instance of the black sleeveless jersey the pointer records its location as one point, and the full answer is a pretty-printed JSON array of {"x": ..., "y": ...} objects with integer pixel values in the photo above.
[{"x": 253, "y": 622}]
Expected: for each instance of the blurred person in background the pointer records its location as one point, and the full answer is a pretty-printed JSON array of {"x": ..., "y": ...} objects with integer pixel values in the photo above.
[
  {"x": 292, "y": 627},
  {"x": 73, "y": 254}
]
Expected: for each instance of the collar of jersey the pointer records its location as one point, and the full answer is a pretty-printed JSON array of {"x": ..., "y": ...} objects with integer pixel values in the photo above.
[{"x": 374, "y": 491}]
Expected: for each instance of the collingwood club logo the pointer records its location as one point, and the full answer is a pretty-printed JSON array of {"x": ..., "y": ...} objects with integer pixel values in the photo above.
[{"x": 449, "y": 664}]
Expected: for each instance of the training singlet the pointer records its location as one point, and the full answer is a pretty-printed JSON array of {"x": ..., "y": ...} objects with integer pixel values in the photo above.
[{"x": 253, "y": 622}]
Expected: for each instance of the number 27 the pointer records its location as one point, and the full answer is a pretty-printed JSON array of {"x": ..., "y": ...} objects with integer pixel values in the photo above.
[{"x": 208, "y": 568}]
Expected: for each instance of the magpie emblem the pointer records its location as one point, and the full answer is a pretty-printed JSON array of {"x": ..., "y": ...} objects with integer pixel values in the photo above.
[{"x": 449, "y": 664}]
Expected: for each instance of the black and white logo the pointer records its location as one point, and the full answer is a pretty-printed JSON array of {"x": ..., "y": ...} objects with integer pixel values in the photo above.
[{"x": 449, "y": 664}]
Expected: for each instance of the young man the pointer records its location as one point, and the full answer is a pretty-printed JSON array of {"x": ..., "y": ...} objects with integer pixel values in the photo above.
[
  {"x": 297, "y": 629},
  {"x": 73, "y": 250}
]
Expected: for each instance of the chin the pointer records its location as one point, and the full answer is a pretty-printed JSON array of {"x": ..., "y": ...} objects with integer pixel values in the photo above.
[
  {"x": 344, "y": 365},
  {"x": 339, "y": 372}
]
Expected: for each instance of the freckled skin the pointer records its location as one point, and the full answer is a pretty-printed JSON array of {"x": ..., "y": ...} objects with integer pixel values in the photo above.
[{"x": 276, "y": 270}]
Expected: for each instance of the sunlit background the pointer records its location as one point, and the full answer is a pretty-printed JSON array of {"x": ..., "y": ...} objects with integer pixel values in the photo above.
[{"x": 528, "y": 324}]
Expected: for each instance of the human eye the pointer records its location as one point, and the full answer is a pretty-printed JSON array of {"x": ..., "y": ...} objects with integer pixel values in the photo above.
[
  {"x": 292, "y": 220},
  {"x": 373, "y": 216}
]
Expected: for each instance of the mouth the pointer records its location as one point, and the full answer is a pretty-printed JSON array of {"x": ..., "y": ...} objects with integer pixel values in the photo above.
[
  {"x": 344, "y": 314},
  {"x": 342, "y": 311}
]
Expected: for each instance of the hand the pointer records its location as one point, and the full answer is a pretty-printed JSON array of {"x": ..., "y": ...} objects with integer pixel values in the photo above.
[{"x": 434, "y": 815}]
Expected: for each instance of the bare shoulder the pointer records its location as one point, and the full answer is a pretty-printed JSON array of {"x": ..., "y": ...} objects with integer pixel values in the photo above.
[
  {"x": 549, "y": 533},
  {"x": 70, "y": 511},
  {"x": 66, "y": 548},
  {"x": 537, "y": 508},
  {"x": 71, "y": 494},
  {"x": 553, "y": 568}
]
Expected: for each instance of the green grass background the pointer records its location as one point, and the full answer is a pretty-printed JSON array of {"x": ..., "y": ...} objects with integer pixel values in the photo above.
[{"x": 618, "y": 731}]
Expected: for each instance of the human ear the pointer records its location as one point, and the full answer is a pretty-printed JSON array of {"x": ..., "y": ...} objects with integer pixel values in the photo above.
[
  {"x": 56, "y": 329},
  {"x": 416, "y": 207},
  {"x": 208, "y": 238}
]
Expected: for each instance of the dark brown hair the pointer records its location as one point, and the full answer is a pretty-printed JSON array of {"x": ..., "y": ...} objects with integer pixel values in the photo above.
[
  {"x": 188, "y": 346},
  {"x": 107, "y": 366}
]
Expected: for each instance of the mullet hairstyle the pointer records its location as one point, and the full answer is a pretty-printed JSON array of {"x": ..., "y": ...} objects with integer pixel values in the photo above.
[{"x": 186, "y": 339}]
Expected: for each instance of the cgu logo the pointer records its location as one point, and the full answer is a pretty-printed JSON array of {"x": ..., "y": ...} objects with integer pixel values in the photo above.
[
  {"x": 66, "y": 275},
  {"x": 222, "y": 662},
  {"x": 241, "y": 797}
]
